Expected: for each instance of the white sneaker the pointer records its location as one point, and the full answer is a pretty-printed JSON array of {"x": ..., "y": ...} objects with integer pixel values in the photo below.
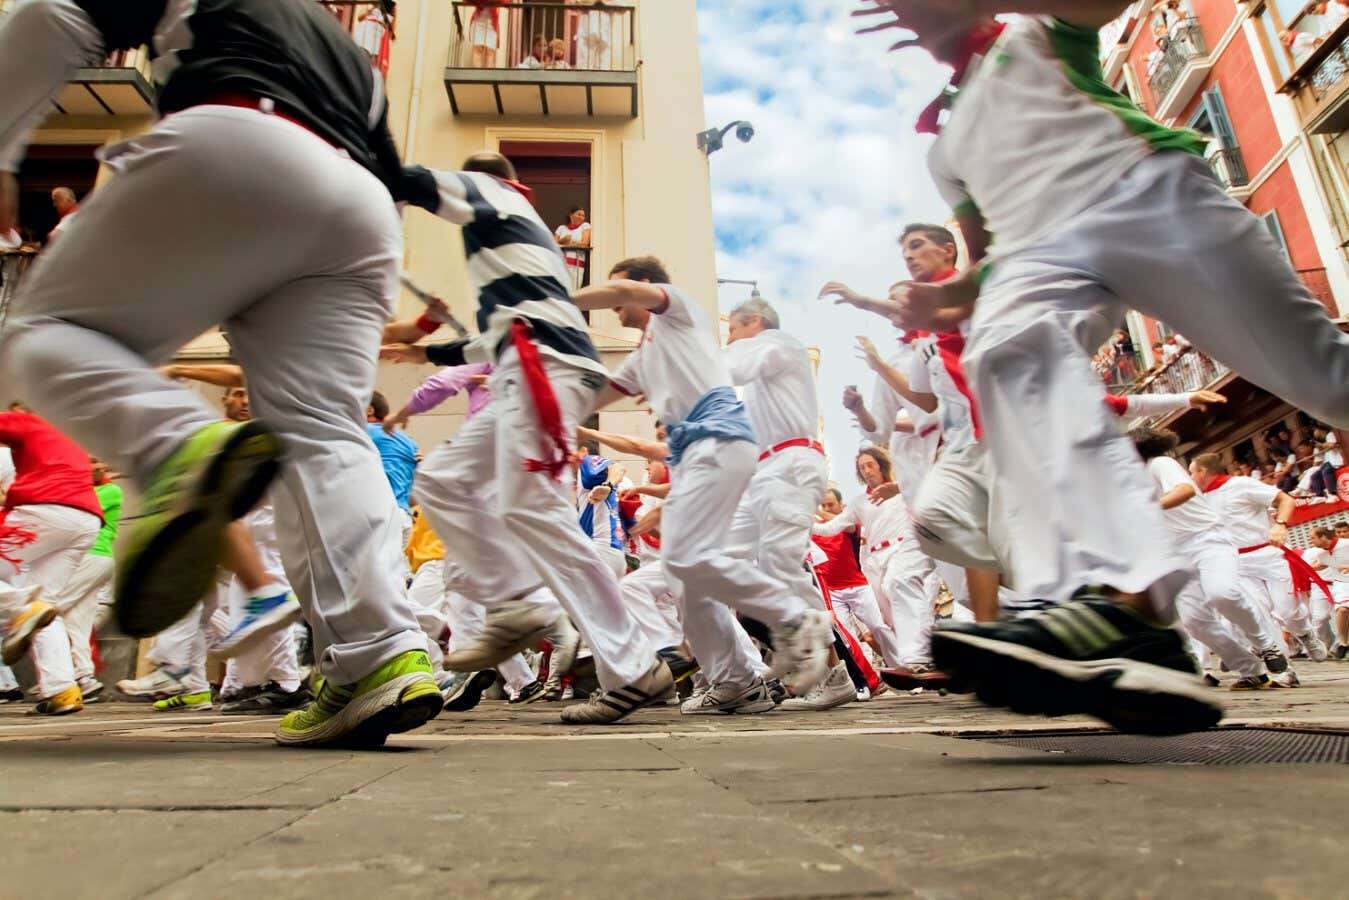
[
  {"x": 836, "y": 690},
  {"x": 158, "y": 685},
  {"x": 508, "y": 628},
  {"x": 1314, "y": 647},
  {"x": 801, "y": 651},
  {"x": 728, "y": 701},
  {"x": 607, "y": 707}
]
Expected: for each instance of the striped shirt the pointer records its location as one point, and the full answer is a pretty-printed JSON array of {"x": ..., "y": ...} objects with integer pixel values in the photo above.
[{"x": 516, "y": 269}]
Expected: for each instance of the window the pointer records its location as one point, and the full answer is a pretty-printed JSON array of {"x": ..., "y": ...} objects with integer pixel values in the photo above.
[
  {"x": 1211, "y": 119},
  {"x": 1271, "y": 220}
]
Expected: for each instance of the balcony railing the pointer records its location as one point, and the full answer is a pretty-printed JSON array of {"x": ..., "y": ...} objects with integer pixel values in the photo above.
[
  {"x": 1192, "y": 370},
  {"x": 1183, "y": 43},
  {"x": 370, "y": 26},
  {"x": 1230, "y": 167},
  {"x": 578, "y": 266},
  {"x": 549, "y": 59}
]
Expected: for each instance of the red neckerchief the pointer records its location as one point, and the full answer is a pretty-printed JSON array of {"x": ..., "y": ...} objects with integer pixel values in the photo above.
[
  {"x": 1217, "y": 482},
  {"x": 976, "y": 43},
  {"x": 913, "y": 334},
  {"x": 1333, "y": 542},
  {"x": 522, "y": 188}
]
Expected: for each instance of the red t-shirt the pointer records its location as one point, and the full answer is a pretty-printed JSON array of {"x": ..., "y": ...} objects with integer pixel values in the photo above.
[
  {"x": 49, "y": 467},
  {"x": 840, "y": 572}
]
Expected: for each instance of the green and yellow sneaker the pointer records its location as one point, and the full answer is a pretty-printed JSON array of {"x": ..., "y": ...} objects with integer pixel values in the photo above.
[
  {"x": 398, "y": 696},
  {"x": 184, "y": 702},
  {"x": 175, "y": 544}
]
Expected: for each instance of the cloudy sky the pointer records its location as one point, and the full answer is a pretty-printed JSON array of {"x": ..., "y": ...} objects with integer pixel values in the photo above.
[{"x": 834, "y": 171}]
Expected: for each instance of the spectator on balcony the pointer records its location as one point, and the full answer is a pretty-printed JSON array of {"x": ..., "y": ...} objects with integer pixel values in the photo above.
[
  {"x": 371, "y": 34},
  {"x": 10, "y": 240},
  {"x": 1330, "y": 15},
  {"x": 575, "y": 232},
  {"x": 484, "y": 33},
  {"x": 557, "y": 55},
  {"x": 1299, "y": 45},
  {"x": 63, "y": 199},
  {"x": 538, "y": 55}
]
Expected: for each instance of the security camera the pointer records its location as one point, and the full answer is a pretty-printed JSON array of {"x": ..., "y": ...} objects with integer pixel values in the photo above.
[{"x": 745, "y": 132}]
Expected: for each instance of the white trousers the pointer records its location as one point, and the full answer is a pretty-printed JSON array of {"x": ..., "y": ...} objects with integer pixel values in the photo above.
[
  {"x": 63, "y": 535},
  {"x": 90, "y": 586},
  {"x": 646, "y": 594},
  {"x": 1267, "y": 581},
  {"x": 467, "y": 620},
  {"x": 296, "y": 249},
  {"x": 1200, "y": 620},
  {"x": 1167, "y": 241},
  {"x": 1216, "y": 562},
  {"x": 696, "y": 531},
  {"x": 860, "y": 603},
  {"x": 511, "y": 530},
  {"x": 899, "y": 574}
]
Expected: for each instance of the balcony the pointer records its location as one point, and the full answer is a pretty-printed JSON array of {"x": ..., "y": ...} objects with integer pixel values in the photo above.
[
  {"x": 370, "y": 27},
  {"x": 548, "y": 60},
  {"x": 122, "y": 86},
  {"x": 1320, "y": 82},
  {"x": 1180, "y": 70},
  {"x": 1230, "y": 167},
  {"x": 13, "y": 264}
]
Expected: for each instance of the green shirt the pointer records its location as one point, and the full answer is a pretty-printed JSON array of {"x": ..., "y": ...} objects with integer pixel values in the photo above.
[{"x": 110, "y": 498}]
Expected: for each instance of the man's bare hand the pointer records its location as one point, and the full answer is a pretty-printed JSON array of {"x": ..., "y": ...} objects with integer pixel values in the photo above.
[
  {"x": 9, "y": 201},
  {"x": 600, "y": 493},
  {"x": 649, "y": 523},
  {"x": 920, "y": 306},
  {"x": 868, "y": 353},
  {"x": 399, "y": 418},
  {"x": 479, "y": 380},
  {"x": 1278, "y": 534},
  {"x": 403, "y": 353},
  {"x": 1202, "y": 399},
  {"x": 880, "y": 494},
  {"x": 840, "y": 292},
  {"x": 852, "y": 398}
]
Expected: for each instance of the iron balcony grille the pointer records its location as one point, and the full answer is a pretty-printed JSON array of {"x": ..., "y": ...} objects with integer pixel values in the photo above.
[{"x": 1183, "y": 43}]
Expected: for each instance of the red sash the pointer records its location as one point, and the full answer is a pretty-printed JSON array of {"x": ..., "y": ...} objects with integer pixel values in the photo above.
[
  {"x": 555, "y": 454},
  {"x": 1304, "y": 576}
]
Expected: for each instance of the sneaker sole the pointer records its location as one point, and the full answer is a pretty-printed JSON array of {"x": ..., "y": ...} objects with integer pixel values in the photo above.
[
  {"x": 407, "y": 702},
  {"x": 16, "y": 643},
  {"x": 470, "y": 692},
  {"x": 267, "y": 625},
  {"x": 177, "y": 567},
  {"x": 1131, "y": 696}
]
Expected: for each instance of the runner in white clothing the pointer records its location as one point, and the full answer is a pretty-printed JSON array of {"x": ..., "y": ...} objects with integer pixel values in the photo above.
[
  {"x": 1269, "y": 570},
  {"x": 713, "y": 457},
  {"x": 896, "y": 567}
]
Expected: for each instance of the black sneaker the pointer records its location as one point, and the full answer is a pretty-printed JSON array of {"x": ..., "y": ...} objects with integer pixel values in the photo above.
[
  {"x": 1341, "y": 651},
  {"x": 1275, "y": 661},
  {"x": 529, "y": 692},
  {"x": 1088, "y": 656},
  {"x": 466, "y": 693},
  {"x": 681, "y": 667},
  {"x": 13, "y": 695},
  {"x": 266, "y": 700},
  {"x": 777, "y": 690}
]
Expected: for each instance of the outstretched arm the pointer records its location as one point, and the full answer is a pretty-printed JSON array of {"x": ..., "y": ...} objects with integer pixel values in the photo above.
[
  {"x": 224, "y": 376},
  {"x": 654, "y": 450},
  {"x": 621, "y": 293},
  {"x": 897, "y": 380}
]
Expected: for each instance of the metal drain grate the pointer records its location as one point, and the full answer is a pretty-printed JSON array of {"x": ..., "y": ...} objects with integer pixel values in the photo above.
[{"x": 1229, "y": 747}]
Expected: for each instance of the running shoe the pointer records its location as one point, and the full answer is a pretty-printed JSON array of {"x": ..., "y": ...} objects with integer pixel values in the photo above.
[
  {"x": 801, "y": 650},
  {"x": 906, "y": 678},
  {"x": 398, "y": 696},
  {"x": 91, "y": 689},
  {"x": 1315, "y": 647},
  {"x": 198, "y": 700},
  {"x": 263, "y": 616},
  {"x": 265, "y": 700},
  {"x": 607, "y": 707},
  {"x": 535, "y": 692},
  {"x": 1275, "y": 660},
  {"x": 467, "y": 690},
  {"x": 158, "y": 685},
  {"x": 1342, "y": 651},
  {"x": 1259, "y": 682},
  {"x": 1211, "y": 680},
  {"x": 681, "y": 666},
  {"x": 1089, "y": 656},
  {"x": 61, "y": 704},
  {"x": 175, "y": 544},
  {"x": 836, "y": 690},
  {"x": 508, "y": 628},
  {"x": 731, "y": 701},
  {"x": 776, "y": 689},
  {"x": 34, "y": 617},
  {"x": 11, "y": 695}
]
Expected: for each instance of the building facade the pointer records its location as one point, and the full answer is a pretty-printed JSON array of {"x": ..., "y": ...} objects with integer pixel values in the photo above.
[{"x": 604, "y": 118}]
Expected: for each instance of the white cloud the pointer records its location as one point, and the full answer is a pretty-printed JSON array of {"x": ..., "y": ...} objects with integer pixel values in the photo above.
[{"x": 834, "y": 171}]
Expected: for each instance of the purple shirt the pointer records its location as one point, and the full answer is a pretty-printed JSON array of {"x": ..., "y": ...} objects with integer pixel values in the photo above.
[{"x": 446, "y": 383}]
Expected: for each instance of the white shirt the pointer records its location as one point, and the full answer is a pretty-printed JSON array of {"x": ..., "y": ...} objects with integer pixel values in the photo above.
[
  {"x": 1336, "y": 13},
  {"x": 10, "y": 240},
  {"x": 1196, "y": 517},
  {"x": 780, "y": 398},
  {"x": 1244, "y": 504},
  {"x": 936, "y": 369},
  {"x": 888, "y": 521},
  {"x": 678, "y": 360},
  {"x": 886, "y": 404},
  {"x": 7, "y": 472},
  {"x": 1330, "y": 560},
  {"x": 601, "y": 531},
  {"x": 1030, "y": 149},
  {"x": 576, "y": 235},
  {"x": 1339, "y": 560}
]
